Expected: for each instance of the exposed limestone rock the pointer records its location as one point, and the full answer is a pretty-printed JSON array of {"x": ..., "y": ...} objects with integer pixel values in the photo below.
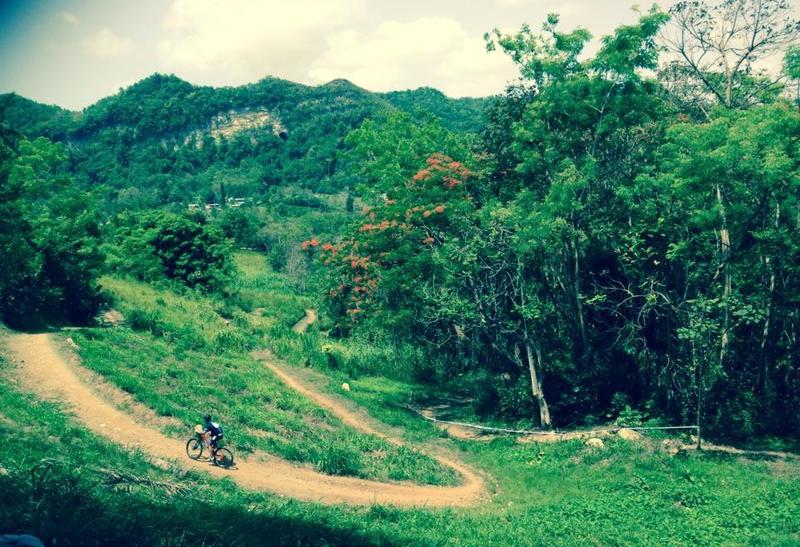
[
  {"x": 594, "y": 442},
  {"x": 671, "y": 446},
  {"x": 236, "y": 121},
  {"x": 629, "y": 434}
]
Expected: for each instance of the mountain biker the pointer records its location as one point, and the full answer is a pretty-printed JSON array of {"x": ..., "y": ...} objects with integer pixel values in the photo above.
[{"x": 214, "y": 429}]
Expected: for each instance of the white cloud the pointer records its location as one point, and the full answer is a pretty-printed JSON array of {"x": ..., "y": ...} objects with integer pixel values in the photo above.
[
  {"x": 240, "y": 41},
  {"x": 430, "y": 51},
  {"x": 104, "y": 44},
  {"x": 515, "y": 3},
  {"x": 70, "y": 18},
  {"x": 563, "y": 9}
]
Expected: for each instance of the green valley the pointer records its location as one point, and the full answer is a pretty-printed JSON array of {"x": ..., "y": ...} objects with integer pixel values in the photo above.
[{"x": 563, "y": 314}]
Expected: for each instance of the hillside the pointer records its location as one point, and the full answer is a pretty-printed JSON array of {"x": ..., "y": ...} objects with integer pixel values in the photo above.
[
  {"x": 173, "y": 142},
  {"x": 94, "y": 473},
  {"x": 566, "y": 315}
]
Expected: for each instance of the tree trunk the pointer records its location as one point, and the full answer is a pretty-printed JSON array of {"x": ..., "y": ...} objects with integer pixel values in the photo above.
[
  {"x": 765, "y": 332},
  {"x": 728, "y": 85},
  {"x": 725, "y": 254},
  {"x": 578, "y": 302},
  {"x": 768, "y": 314},
  {"x": 536, "y": 385},
  {"x": 698, "y": 380},
  {"x": 574, "y": 293}
]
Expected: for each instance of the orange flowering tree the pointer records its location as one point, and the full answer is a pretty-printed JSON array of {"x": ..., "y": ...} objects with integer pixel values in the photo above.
[{"x": 376, "y": 273}]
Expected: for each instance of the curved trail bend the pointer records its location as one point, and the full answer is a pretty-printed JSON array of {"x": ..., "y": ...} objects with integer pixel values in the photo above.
[
  {"x": 42, "y": 370},
  {"x": 307, "y": 320}
]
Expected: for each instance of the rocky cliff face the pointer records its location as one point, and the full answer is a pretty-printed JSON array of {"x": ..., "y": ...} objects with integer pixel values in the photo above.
[
  {"x": 236, "y": 121},
  {"x": 230, "y": 123}
]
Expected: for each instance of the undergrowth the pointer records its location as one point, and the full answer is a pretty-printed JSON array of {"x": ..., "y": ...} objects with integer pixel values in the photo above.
[{"x": 181, "y": 359}]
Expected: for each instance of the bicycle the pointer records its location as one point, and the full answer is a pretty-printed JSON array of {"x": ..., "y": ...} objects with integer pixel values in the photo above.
[{"x": 220, "y": 456}]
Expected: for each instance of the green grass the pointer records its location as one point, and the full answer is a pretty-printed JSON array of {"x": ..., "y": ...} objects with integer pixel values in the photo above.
[
  {"x": 258, "y": 287},
  {"x": 547, "y": 494},
  {"x": 53, "y": 487},
  {"x": 195, "y": 316},
  {"x": 176, "y": 375},
  {"x": 561, "y": 494},
  {"x": 625, "y": 493}
]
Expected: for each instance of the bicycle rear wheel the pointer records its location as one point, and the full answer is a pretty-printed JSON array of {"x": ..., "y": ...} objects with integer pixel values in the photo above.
[
  {"x": 194, "y": 448},
  {"x": 223, "y": 458}
]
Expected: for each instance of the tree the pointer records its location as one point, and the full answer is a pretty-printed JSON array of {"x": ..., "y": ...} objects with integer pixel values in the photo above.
[
  {"x": 577, "y": 139},
  {"x": 240, "y": 224},
  {"x": 386, "y": 152},
  {"x": 49, "y": 248},
  {"x": 720, "y": 45},
  {"x": 158, "y": 245},
  {"x": 792, "y": 69},
  {"x": 735, "y": 178}
]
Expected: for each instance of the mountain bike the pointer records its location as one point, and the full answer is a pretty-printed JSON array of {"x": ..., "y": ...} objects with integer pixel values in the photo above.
[{"x": 220, "y": 456}]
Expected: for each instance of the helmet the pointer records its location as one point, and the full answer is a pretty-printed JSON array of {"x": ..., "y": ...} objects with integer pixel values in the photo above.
[{"x": 207, "y": 418}]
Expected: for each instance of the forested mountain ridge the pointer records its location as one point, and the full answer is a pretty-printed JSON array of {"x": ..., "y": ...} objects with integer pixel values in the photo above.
[{"x": 170, "y": 140}]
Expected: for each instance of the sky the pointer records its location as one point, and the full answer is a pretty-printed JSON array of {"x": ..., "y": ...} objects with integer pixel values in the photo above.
[{"x": 74, "y": 52}]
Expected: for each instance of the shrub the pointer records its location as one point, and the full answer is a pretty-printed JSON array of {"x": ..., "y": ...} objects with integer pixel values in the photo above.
[
  {"x": 514, "y": 398},
  {"x": 159, "y": 245},
  {"x": 146, "y": 320},
  {"x": 630, "y": 417},
  {"x": 340, "y": 460},
  {"x": 229, "y": 340}
]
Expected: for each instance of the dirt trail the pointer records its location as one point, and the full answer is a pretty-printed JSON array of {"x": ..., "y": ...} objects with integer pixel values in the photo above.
[
  {"x": 42, "y": 370},
  {"x": 302, "y": 325},
  {"x": 354, "y": 418}
]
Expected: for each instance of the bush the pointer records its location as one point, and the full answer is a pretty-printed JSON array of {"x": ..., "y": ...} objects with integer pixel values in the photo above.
[
  {"x": 146, "y": 320},
  {"x": 229, "y": 340},
  {"x": 278, "y": 256},
  {"x": 340, "y": 460},
  {"x": 514, "y": 398},
  {"x": 734, "y": 418},
  {"x": 159, "y": 245},
  {"x": 630, "y": 417}
]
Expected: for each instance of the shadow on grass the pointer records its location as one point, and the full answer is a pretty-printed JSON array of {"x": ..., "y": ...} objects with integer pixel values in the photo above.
[
  {"x": 38, "y": 324},
  {"x": 68, "y": 510}
]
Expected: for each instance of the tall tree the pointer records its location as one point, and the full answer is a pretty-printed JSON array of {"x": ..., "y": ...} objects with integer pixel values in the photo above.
[
  {"x": 719, "y": 45},
  {"x": 50, "y": 243}
]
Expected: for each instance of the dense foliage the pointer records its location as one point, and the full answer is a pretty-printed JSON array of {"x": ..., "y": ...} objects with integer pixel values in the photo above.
[
  {"x": 49, "y": 247},
  {"x": 621, "y": 232},
  {"x": 613, "y": 245},
  {"x": 185, "y": 248},
  {"x": 164, "y": 140}
]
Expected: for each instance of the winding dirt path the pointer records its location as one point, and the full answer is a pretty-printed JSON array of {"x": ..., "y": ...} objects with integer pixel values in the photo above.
[
  {"x": 41, "y": 369},
  {"x": 308, "y": 319}
]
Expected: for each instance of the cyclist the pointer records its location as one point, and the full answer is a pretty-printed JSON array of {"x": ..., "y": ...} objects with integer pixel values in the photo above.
[{"x": 214, "y": 429}]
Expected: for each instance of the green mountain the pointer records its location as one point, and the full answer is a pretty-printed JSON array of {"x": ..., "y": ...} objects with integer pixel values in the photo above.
[{"x": 164, "y": 140}]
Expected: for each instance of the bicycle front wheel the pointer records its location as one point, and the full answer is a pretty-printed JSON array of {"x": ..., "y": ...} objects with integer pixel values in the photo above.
[
  {"x": 223, "y": 458},
  {"x": 194, "y": 448}
]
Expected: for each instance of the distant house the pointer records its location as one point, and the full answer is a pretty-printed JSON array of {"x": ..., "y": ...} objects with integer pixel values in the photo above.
[{"x": 208, "y": 207}]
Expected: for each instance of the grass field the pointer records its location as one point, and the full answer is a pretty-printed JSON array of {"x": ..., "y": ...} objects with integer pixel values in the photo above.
[
  {"x": 185, "y": 361},
  {"x": 259, "y": 288},
  {"x": 563, "y": 494},
  {"x": 627, "y": 493}
]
